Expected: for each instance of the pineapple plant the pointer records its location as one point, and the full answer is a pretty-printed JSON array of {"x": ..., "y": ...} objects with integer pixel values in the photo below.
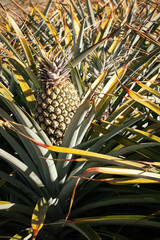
[{"x": 81, "y": 188}]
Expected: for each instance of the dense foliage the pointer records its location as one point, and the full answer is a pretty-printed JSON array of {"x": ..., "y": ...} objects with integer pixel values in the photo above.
[{"x": 103, "y": 181}]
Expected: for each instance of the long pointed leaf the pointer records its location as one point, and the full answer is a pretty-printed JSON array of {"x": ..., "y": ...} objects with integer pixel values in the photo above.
[{"x": 24, "y": 43}]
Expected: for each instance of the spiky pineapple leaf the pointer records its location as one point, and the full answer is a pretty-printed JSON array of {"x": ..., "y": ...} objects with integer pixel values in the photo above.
[
  {"x": 24, "y": 70},
  {"x": 27, "y": 194},
  {"x": 140, "y": 220},
  {"x": 114, "y": 132},
  {"x": 71, "y": 137},
  {"x": 124, "y": 172},
  {"x": 124, "y": 141},
  {"x": 89, "y": 156},
  {"x": 75, "y": 24},
  {"x": 124, "y": 181},
  {"x": 67, "y": 32}
]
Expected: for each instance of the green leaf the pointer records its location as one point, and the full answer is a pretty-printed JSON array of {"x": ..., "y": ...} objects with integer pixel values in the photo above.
[
  {"x": 19, "y": 149},
  {"x": 26, "y": 172},
  {"x": 90, "y": 13},
  {"x": 79, "y": 44},
  {"x": 86, "y": 124},
  {"x": 27, "y": 193},
  {"x": 137, "y": 220},
  {"x": 75, "y": 125},
  {"x": 17, "y": 112},
  {"x": 117, "y": 200},
  {"x": 41, "y": 158},
  {"x": 136, "y": 147},
  {"x": 86, "y": 231},
  {"x": 71, "y": 136},
  {"x": 79, "y": 14}
]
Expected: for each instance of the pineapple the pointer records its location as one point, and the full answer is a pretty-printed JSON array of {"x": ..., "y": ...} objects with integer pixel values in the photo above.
[{"x": 57, "y": 100}]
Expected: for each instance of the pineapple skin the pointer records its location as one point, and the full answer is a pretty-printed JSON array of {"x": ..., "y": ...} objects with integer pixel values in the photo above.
[{"x": 55, "y": 107}]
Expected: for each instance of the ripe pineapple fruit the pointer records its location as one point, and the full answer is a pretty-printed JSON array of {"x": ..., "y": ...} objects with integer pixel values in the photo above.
[{"x": 57, "y": 100}]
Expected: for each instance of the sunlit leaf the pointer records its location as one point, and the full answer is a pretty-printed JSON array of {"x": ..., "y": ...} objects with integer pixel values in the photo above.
[
  {"x": 141, "y": 99},
  {"x": 50, "y": 26},
  {"x": 24, "y": 43},
  {"x": 28, "y": 92},
  {"x": 38, "y": 217},
  {"x": 25, "y": 235},
  {"x": 5, "y": 92},
  {"x": 130, "y": 181},
  {"x": 67, "y": 32},
  {"x": 4, "y": 202},
  {"x": 109, "y": 88},
  {"x": 149, "y": 89}
]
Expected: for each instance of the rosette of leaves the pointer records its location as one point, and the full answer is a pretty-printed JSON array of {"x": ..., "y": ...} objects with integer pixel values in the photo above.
[{"x": 81, "y": 189}]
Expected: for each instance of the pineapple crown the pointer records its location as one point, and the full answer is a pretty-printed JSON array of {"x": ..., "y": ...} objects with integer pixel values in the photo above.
[{"x": 53, "y": 69}]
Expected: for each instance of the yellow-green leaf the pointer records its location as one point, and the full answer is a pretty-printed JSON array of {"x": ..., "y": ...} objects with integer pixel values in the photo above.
[
  {"x": 24, "y": 234},
  {"x": 144, "y": 101},
  {"x": 124, "y": 172},
  {"x": 23, "y": 41},
  {"x": 145, "y": 134},
  {"x": 151, "y": 90},
  {"x": 67, "y": 32},
  {"x": 28, "y": 92},
  {"x": 38, "y": 217},
  {"x": 4, "y": 202},
  {"x": 95, "y": 84},
  {"x": 6, "y": 93},
  {"x": 110, "y": 88},
  {"x": 75, "y": 20},
  {"x": 102, "y": 29},
  {"x": 50, "y": 26},
  {"x": 121, "y": 181}
]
